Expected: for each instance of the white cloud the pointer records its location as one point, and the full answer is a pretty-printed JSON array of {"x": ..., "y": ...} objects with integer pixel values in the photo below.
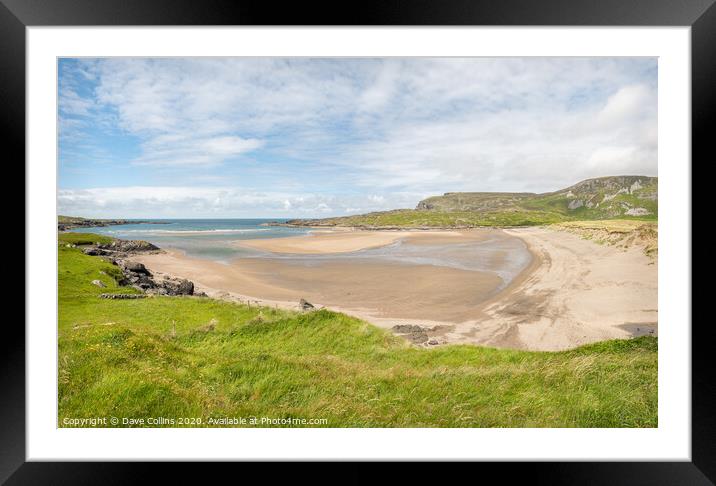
[
  {"x": 219, "y": 202},
  {"x": 629, "y": 103},
  {"x": 70, "y": 103},
  {"x": 186, "y": 149},
  {"x": 354, "y": 133}
]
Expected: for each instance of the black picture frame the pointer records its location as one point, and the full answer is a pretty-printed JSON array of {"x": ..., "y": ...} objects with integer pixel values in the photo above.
[{"x": 16, "y": 15}]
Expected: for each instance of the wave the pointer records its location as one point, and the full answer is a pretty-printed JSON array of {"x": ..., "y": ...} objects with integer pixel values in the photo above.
[{"x": 188, "y": 232}]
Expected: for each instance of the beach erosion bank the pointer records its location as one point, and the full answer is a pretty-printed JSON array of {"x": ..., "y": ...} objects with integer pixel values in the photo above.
[{"x": 528, "y": 288}]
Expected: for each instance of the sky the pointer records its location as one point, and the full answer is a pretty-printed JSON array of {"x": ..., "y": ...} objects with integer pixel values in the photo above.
[{"x": 302, "y": 137}]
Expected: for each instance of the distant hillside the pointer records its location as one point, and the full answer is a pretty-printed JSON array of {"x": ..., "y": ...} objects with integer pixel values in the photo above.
[
  {"x": 65, "y": 223},
  {"x": 604, "y": 197},
  {"x": 630, "y": 197}
]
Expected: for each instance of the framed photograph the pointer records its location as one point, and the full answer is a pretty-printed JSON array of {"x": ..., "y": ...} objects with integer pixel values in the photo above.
[{"x": 426, "y": 232}]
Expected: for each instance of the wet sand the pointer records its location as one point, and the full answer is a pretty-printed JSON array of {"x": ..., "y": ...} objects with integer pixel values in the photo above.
[
  {"x": 572, "y": 292},
  {"x": 370, "y": 284},
  {"x": 341, "y": 241}
]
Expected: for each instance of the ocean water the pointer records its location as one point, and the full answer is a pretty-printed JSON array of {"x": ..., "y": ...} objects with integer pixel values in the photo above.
[
  {"x": 205, "y": 238},
  {"x": 216, "y": 239}
]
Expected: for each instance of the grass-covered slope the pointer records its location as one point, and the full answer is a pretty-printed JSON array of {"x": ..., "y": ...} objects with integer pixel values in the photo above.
[
  {"x": 630, "y": 197},
  {"x": 617, "y": 232},
  {"x": 195, "y": 357},
  {"x": 411, "y": 218}
]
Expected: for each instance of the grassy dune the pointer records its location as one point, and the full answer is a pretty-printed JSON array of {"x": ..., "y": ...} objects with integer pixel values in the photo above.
[
  {"x": 197, "y": 357},
  {"x": 617, "y": 232}
]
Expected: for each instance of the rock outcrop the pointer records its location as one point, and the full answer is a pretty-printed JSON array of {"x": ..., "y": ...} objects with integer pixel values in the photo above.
[
  {"x": 413, "y": 333},
  {"x": 417, "y": 335},
  {"x": 305, "y": 305},
  {"x": 135, "y": 274}
]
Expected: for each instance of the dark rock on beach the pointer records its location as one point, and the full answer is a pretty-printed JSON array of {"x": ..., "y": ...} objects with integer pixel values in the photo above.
[
  {"x": 135, "y": 267},
  {"x": 413, "y": 333},
  {"x": 129, "y": 246},
  {"x": 135, "y": 274},
  {"x": 177, "y": 286},
  {"x": 407, "y": 328}
]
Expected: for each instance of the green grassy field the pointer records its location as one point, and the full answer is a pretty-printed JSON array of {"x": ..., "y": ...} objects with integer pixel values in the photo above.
[
  {"x": 200, "y": 358},
  {"x": 413, "y": 218}
]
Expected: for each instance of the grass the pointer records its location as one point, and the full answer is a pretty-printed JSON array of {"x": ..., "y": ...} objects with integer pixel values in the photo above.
[
  {"x": 83, "y": 239},
  {"x": 160, "y": 357},
  {"x": 611, "y": 225},
  {"x": 617, "y": 232},
  {"x": 533, "y": 214},
  {"x": 411, "y": 218}
]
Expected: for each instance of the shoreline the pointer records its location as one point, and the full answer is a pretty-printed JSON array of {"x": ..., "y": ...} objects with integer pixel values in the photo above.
[{"x": 537, "y": 310}]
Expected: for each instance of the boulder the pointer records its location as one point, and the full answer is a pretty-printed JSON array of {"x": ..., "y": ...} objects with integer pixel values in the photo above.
[
  {"x": 136, "y": 267},
  {"x": 416, "y": 337},
  {"x": 129, "y": 246},
  {"x": 412, "y": 332},
  {"x": 145, "y": 282},
  {"x": 94, "y": 251},
  {"x": 305, "y": 305},
  {"x": 407, "y": 328},
  {"x": 178, "y": 286}
]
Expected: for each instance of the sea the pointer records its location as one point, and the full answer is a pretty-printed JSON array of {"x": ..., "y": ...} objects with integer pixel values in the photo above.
[{"x": 205, "y": 238}]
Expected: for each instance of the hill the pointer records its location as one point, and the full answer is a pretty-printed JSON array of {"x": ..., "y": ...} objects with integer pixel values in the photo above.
[{"x": 630, "y": 197}]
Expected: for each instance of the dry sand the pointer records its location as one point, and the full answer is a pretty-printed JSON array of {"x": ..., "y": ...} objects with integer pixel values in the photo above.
[
  {"x": 580, "y": 292},
  {"x": 574, "y": 292}
]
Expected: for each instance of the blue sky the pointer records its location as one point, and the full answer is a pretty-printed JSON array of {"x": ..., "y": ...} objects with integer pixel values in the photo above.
[{"x": 300, "y": 137}]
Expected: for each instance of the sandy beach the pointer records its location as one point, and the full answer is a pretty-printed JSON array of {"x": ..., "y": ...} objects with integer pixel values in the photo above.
[
  {"x": 572, "y": 291},
  {"x": 341, "y": 241}
]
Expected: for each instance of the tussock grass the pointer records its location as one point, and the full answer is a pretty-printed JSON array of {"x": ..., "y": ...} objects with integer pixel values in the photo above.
[
  {"x": 611, "y": 225},
  {"x": 617, "y": 232},
  {"x": 198, "y": 357}
]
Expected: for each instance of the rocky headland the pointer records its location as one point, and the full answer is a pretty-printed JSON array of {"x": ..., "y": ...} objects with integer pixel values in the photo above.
[
  {"x": 65, "y": 223},
  {"x": 134, "y": 274}
]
